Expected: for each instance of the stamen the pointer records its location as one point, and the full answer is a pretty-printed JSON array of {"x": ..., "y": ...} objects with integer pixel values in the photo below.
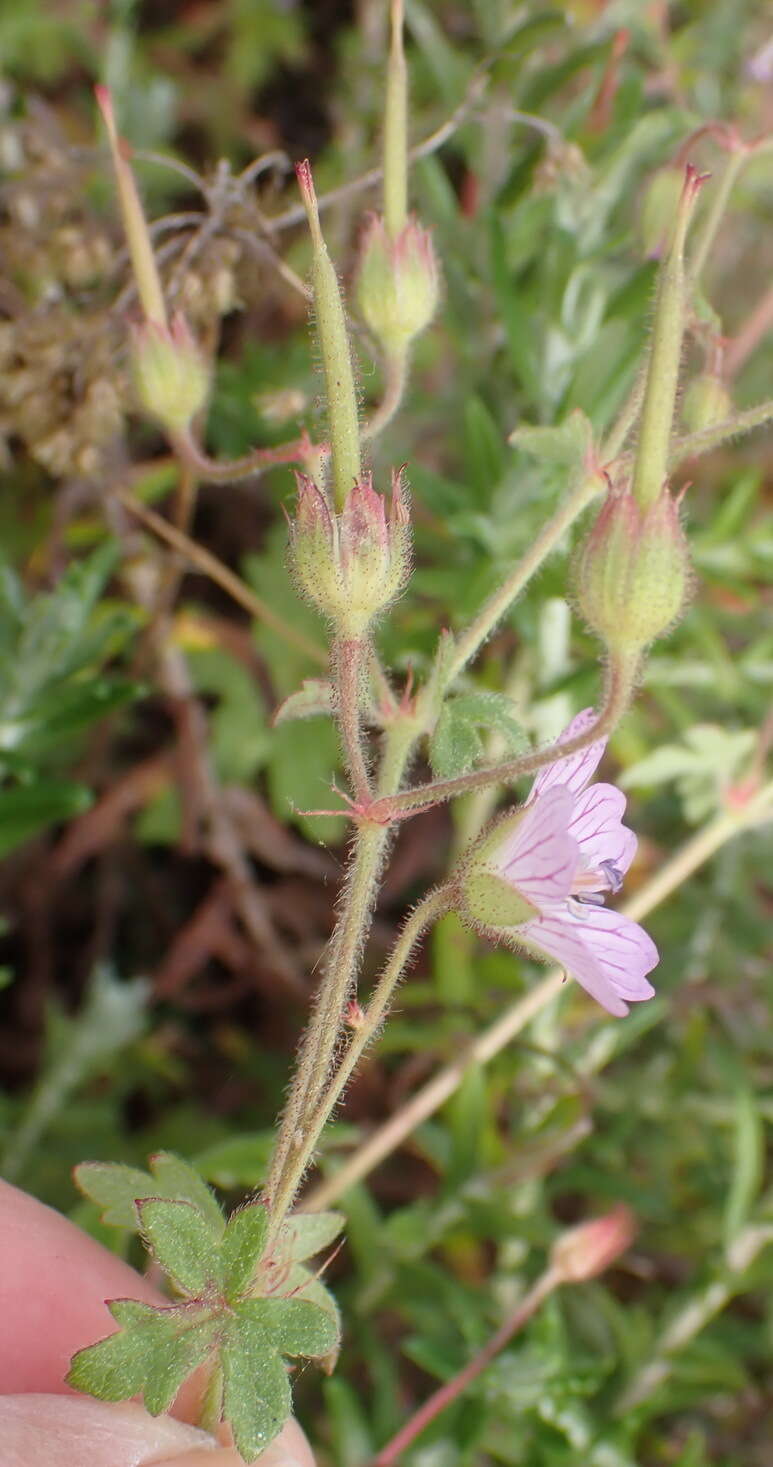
[
  {"x": 590, "y": 899},
  {"x": 613, "y": 874}
]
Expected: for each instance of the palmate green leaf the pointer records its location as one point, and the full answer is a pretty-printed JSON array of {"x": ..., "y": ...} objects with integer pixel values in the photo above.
[
  {"x": 115, "y": 1188},
  {"x": 306, "y": 1233},
  {"x": 182, "y": 1242},
  {"x": 256, "y": 1393},
  {"x": 152, "y": 1354},
  {"x": 456, "y": 742},
  {"x": 565, "y": 447},
  {"x": 242, "y": 1248}
]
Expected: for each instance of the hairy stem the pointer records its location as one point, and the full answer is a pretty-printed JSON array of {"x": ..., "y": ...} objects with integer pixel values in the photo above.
[
  {"x": 692, "y": 855},
  {"x": 349, "y": 657},
  {"x": 453, "y": 1388},
  {"x": 620, "y": 682},
  {"x": 215, "y": 472},
  {"x": 323, "y": 1033},
  {"x": 430, "y": 908},
  {"x": 549, "y": 537},
  {"x": 694, "y": 444},
  {"x": 395, "y": 377}
]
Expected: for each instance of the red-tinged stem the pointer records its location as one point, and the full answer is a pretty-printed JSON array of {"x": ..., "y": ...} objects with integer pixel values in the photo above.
[
  {"x": 453, "y": 1388},
  {"x": 215, "y": 472},
  {"x": 620, "y": 682}
]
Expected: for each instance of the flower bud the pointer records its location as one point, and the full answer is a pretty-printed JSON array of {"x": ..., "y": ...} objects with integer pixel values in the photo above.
[
  {"x": 171, "y": 378},
  {"x": 588, "y": 1250},
  {"x": 353, "y": 564},
  {"x": 397, "y": 283},
  {"x": 706, "y": 402},
  {"x": 658, "y": 210},
  {"x": 632, "y": 572}
]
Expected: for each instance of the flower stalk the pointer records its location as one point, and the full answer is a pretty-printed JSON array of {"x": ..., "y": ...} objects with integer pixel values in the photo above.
[
  {"x": 396, "y": 128},
  {"x": 621, "y": 679},
  {"x": 651, "y": 462},
  {"x": 368, "y": 1025},
  {"x": 350, "y": 657}
]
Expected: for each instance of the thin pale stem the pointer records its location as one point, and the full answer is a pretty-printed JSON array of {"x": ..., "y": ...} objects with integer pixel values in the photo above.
[
  {"x": 435, "y": 140},
  {"x": 699, "y": 1310},
  {"x": 694, "y": 444},
  {"x": 664, "y": 357},
  {"x": 395, "y": 378},
  {"x": 454, "y": 1388},
  {"x": 480, "y": 629},
  {"x": 693, "y": 854},
  {"x": 754, "y": 330},
  {"x": 211, "y": 1409},
  {"x": 396, "y": 129},
  {"x": 419, "y": 920},
  {"x": 349, "y": 658},
  {"x": 711, "y": 224},
  {"x": 620, "y": 681},
  {"x": 209, "y": 564}
]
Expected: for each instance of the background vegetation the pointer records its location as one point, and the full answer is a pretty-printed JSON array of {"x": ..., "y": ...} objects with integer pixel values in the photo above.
[{"x": 165, "y": 901}]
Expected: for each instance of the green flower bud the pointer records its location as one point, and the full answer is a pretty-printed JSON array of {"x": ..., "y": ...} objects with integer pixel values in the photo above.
[
  {"x": 632, "y": 572},
  {"x": 658, "y": 210},
  {"x": 706, "y": 402},
  {"x": 171, "y": 378},
  {"x": 353, "y": 564},
  {"x": 397, "y": 285}
]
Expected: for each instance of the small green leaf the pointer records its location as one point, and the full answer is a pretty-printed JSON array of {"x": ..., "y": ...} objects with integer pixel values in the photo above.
[
  {"x": 566, "y": 446},
  {"x": 112, "y": 1370},
  {"x": 154, "y": 1352},
  {"x": 256, "y": 1391},
  {"x": 178, "y": 1181},
  {"x": 456, "y": 743},
  {"x": 295, "y": 1326},
  {"x": 242, "y": 1247},
  {"x": 181, "y": 1241},
  {"x": 302, "y": 1284},
  {"x": 114, "y": 1188},
  {"x": 306, "y": 1233},
  {"x": 314, "y": 699}
]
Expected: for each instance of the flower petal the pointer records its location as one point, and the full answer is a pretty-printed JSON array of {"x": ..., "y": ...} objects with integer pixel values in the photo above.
[
  {"x": 539, "y": 858},
  {"x": 597, "y": 827},
  {"x": 606, "y": 952},
  {"x": 574, "y": 770}
]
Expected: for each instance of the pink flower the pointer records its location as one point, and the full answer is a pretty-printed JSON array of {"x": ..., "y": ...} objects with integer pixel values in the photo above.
[{"x": 567, "y": 849}]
